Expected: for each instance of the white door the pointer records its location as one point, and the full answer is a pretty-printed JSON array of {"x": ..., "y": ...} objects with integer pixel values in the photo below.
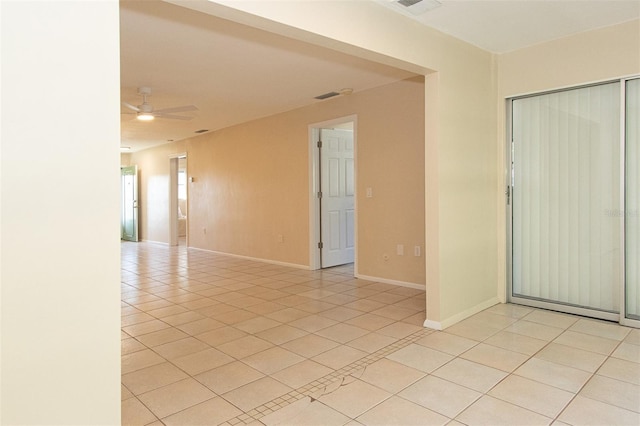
[
  {"x": 129, "y": 216},
  {"x": 337, "y": 188}
]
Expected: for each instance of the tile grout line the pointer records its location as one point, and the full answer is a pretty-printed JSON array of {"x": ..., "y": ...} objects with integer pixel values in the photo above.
[{"x": 313, "y": 387}]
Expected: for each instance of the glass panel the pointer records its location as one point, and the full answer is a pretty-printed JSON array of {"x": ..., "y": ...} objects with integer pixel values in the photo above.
[
  {"x": 632, "y": 199},
  {"x": 182, "y": 185},
  {"x": 566, "y": 198}
]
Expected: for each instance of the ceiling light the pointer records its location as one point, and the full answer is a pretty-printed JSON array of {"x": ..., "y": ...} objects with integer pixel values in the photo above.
[{"x": 145, "y": 116}]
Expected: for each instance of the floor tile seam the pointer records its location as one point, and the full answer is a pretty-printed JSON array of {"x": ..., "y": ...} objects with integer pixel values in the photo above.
[
  {"x": 157, "y": 418},
  {"x": 605, "y": 402},
  {"x": 340, "y": 374},
  {"x": 512, "y": 374},
  {"x": 552, "y": 419},
  {"x": 557, "y": 418},
  {"x": 611, "y": 377}
]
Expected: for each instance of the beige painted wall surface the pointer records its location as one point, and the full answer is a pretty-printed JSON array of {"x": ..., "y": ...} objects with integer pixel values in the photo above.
[
  {"x": 595, "y": 56},
  {"x": 462, "y": 170},
  {"x": 251, "y": 183},
  {"x": 60, "y": 199},
  {"x": 125, "y": 159}
]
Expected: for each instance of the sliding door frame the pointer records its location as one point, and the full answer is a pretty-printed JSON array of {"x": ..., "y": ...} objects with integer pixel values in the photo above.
[
  {"x": 623, "y": 174},
  {"x": 508, "y": 179}
]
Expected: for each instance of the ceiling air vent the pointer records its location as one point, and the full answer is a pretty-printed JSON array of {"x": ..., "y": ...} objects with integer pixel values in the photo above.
[
  {"x": 201, "y": 131},
  {"x": 327, "y": 95},
  {"x": 418, "y": 7},
  {"x": 407, "y": 3}
]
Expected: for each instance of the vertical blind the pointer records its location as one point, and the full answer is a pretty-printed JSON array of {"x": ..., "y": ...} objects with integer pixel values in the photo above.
[
  {"x": 566, "y": 197},
  {"x": 632, "y": 198}
]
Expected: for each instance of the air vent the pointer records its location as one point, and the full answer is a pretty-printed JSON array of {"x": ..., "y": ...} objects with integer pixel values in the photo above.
[
  {"x": 417, "y": 7},
  {"x": 201, "y": 131},
  {"x": 327, "y": 95},
  {"x": 407, "y": 3}
]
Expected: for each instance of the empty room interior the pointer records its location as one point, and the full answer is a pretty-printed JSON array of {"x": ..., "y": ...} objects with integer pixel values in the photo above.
[{"x": 365, "y": 212}]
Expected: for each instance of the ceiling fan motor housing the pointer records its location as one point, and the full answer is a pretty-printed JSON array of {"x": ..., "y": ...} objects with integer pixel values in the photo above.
[{"x": 145, "y": 107}]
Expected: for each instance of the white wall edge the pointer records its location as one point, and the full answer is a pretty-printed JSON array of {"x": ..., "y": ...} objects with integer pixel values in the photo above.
[
  {"x": 392, "y": 282},
  {"x": 255, "y": 259},
  {"x": 435, "y": 325}
]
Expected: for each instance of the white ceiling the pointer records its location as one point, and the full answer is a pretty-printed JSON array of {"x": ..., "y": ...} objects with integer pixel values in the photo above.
[
  {"x": 501, "y": 26},
  {"x": 234, "y": 73}
]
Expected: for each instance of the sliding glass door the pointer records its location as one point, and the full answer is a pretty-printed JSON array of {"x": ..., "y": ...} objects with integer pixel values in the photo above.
[
  {"x": 632, "y": 199},
  {"x": 575, "y": 200}
]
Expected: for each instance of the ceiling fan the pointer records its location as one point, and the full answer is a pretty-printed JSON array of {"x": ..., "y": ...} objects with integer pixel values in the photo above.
[{"x": 146, "y": 112}]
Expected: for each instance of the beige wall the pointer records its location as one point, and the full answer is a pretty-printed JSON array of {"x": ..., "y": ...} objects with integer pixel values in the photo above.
[
  {"x": 60, "y": 199},
  {"x": 251, "y": 183},
  {"x": 125, "y": 159},
  {"x": 595, "y": 56},
  {"x": 461, "y": 140}
]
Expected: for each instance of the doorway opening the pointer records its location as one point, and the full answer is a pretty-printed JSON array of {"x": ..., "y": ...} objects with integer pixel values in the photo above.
[
  {"x": 129, "y": 213},
  {"x": 332, "y": 206},
  {"x": 178, "y": 193}
]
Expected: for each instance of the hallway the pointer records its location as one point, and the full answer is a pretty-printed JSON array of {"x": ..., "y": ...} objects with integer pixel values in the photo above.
[{"x": 212, "y": 339}]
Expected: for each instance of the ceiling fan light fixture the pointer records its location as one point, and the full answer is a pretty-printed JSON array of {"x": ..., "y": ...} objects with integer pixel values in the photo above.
[{"x": 145, "y": 116}]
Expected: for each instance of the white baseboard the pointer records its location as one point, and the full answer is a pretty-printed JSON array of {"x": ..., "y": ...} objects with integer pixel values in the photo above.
[
  {"x": 392, "y": 282},
  {"x": 255, "y": 259},
  {"x": 154, "y": 242},
  {"x": 441, "y": 325}
]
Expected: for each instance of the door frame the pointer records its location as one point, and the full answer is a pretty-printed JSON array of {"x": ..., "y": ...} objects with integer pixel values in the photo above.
[
  {"x": 174, "y": 166},
  {"x": 511, "y": 298},
  {"x": 314, "y": 188},
  {"x": 629, "y": 322},
  {"x": 508, "y": 176},
  {"x": 136, "y": 211}
]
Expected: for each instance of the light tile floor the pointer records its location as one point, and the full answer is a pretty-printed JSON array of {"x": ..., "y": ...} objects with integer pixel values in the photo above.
[{"x": 209, "y": 339}]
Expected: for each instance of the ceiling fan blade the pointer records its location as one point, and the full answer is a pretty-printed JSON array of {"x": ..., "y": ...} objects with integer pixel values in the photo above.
[
  {"x": 171, "y": 116},
  {"x": 132, "y": 107},
  {"x": 183, "y": 108}
]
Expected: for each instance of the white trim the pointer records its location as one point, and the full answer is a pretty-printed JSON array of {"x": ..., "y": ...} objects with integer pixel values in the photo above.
[
  {"x": 314, "y": 185},
  {"x": 154, "y": 242},
  {"x": 441, "y": 325},
  {"x": 255, "y": 259},
  {"x": 392, "y": 282},
  {"x": 434, "y": 325}
]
